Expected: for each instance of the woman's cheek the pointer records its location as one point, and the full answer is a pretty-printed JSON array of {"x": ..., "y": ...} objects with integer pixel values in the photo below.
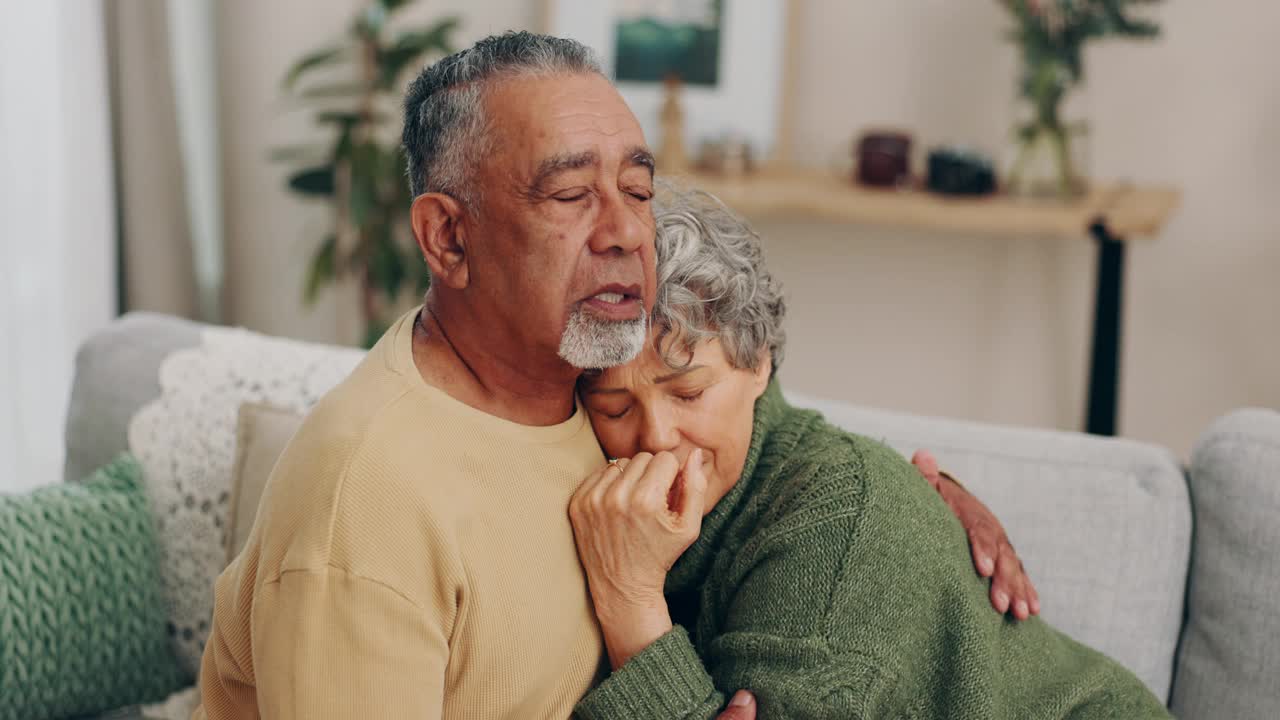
[{"x": 614, "y": 438}]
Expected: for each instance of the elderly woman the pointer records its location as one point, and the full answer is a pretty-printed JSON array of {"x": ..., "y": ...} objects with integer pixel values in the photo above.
[{"x": 749, "y": 544}]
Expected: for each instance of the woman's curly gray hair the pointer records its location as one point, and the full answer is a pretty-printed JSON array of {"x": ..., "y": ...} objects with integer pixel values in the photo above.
[{"x": 712, "y": 282}]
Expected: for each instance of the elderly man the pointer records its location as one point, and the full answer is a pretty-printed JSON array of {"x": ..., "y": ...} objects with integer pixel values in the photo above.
[{"x": 412, "y": 555}]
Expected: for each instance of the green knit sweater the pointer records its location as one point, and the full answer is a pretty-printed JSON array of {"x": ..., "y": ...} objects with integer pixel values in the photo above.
[{"x": 833, "y": 582}]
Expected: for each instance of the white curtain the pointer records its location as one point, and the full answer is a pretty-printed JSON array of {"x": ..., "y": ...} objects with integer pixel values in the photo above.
[
  {"x": 57, "y": 223},
  {"x": 193, "y": 53}
]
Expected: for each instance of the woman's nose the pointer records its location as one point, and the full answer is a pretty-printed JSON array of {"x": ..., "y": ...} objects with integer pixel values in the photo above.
[{"x": 659, "y": 433}]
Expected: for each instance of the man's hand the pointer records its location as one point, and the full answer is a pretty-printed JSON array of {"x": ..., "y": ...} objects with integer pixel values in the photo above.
[
  {"x": 993, "y": 554},
  {"x": 741, "y": 707}
]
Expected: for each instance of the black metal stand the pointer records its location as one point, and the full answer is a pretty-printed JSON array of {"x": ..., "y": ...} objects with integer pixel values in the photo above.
[{"x": 1104, "y": 369}]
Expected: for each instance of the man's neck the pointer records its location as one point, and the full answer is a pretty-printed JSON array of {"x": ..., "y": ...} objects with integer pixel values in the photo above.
[{"x": 471, "y": 372}]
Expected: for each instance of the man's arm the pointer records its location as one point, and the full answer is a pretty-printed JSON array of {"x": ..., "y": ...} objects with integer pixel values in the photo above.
[
  {"x": 329, "y": 644},
  {"x": 993, "y": 553}
]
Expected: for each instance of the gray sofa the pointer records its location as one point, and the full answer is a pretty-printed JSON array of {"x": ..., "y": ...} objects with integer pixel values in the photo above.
[{"x": 1173, "y": 572}]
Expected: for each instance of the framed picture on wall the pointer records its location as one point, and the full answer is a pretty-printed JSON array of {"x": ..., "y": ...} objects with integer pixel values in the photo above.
[{"x": 728, "y": 55}]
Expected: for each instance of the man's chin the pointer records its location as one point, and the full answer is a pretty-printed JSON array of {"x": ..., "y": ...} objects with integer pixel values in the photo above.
[{"x": 592, "y": 342}]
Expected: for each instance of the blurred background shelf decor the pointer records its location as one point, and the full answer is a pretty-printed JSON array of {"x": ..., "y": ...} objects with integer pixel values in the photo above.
[
  {"x": 728, "y": 60},
  {"x": 138, "y": 137},
  {"x": 1051, "y": 36}
]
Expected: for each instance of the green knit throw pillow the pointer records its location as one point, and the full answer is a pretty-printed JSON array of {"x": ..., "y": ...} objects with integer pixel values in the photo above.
[{"x": 82, "y": 620}]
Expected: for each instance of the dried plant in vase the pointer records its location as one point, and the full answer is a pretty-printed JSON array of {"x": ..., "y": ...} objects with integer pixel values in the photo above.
[{"x": 1051, "y": 35}]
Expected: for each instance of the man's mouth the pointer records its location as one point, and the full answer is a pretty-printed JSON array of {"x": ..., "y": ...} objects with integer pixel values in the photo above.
[{"x": 616, "y": 302}]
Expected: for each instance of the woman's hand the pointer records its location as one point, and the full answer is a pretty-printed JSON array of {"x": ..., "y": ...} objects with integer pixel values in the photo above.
[
  {"x": 993, "y": 554},
  {"x": 632, "y": 520}
]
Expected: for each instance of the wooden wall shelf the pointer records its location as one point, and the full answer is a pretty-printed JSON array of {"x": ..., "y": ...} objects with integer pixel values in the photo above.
[
  {"x": 1110, "y": 213},
  {"x": 1127, "y": 210}
]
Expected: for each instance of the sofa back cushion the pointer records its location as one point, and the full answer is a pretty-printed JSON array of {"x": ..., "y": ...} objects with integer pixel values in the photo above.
[
  {"x": 117, "y": 372},
  {"x": 1229, "y": 664},
  {"x": 1102, "y": 525}
]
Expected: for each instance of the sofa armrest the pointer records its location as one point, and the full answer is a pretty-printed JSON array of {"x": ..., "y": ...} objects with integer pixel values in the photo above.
[
  {"x": 117, "y": 371},
  {"x": 1229, "y": 664}
]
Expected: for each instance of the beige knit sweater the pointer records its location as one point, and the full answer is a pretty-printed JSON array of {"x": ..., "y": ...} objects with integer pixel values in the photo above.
[{"x": 412, "y": 558}]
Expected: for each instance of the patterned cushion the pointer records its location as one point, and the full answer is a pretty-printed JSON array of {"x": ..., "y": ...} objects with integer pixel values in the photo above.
[
  {"x": 82, "y": 622},
  {"x": 185, "y": 440}
]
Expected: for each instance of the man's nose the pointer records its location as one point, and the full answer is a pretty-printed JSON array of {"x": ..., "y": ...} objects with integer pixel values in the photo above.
[{"x": 623, "y": 227}]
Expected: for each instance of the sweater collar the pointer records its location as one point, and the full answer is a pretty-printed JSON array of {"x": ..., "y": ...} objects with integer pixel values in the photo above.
[{"x": 692, "y": 567}]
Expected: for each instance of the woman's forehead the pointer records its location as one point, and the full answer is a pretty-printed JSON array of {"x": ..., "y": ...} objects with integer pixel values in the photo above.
[{"x": 659, "y": 362}]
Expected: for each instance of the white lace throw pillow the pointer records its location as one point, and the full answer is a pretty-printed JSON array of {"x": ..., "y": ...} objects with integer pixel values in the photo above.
[{"x": 186, "y": 442}]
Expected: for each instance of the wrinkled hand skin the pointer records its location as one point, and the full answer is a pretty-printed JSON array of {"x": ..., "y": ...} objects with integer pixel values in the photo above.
[
  {"x": 631, "y": 521},
  {"x": 993, "y": 555}
]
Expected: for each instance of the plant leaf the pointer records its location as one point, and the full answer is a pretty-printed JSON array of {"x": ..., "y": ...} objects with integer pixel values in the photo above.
[
  {"x": 1120, "y": 24},
  {"x": 374, "y": 332},
  {"x": 369, "y": 21},
  {"x": 387, "y": 269},
  {"x": 347, "y": 117},
  {"x": 313, "y": 60},
  {"x": 322, "y": 269},
  {"x": 313, "y": 180},
  {"x": 296, "y": 153},
  {"x": 335, "y": 90},
  {"x": 342, "y": 146},
  {"x": 412, "y": 45},
  {"x": 366, "y": 174}
]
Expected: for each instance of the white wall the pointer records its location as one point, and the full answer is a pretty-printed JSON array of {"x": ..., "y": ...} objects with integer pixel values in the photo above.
[
  {"x": 57, "y": 224},
  {"x": 998, "y": 330},
  {"x": 973, "y": 327}
]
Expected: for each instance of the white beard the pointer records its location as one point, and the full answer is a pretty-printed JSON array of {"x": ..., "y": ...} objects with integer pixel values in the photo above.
[{"x": 590, "y": 343}]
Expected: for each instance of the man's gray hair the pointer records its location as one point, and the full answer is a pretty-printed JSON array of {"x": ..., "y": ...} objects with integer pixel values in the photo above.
[
  {"x": 712, "y": 283},
  {"x": 445, "y": 124}
]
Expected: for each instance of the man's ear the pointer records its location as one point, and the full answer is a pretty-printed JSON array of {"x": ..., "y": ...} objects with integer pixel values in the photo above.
[{"x": 441, "y": 235}]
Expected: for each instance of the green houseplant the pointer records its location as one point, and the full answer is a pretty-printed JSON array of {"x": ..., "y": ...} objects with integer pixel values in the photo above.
[
  {"x": 1051, "y": 35},
  {"x": 353, "y": 89}
]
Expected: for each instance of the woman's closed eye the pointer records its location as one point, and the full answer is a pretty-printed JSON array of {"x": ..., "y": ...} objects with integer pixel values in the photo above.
[
  {"x": 688, "y": 396},
  {"x": 615, "y": 415}
]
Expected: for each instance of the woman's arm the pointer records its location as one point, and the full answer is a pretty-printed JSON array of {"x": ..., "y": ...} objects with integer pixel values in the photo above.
[
  {"x": 631, "y": 522},
  {"x": 774, "y": 641}
]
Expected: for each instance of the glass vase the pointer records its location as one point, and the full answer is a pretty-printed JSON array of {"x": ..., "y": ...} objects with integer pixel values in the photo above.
[
  {"x": 1050, "y": 163},
  {"x": 1051, "y": 137}
]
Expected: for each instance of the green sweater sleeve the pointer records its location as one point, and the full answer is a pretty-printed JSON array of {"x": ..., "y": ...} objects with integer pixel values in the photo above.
[{"x": 665, "y": 680}]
